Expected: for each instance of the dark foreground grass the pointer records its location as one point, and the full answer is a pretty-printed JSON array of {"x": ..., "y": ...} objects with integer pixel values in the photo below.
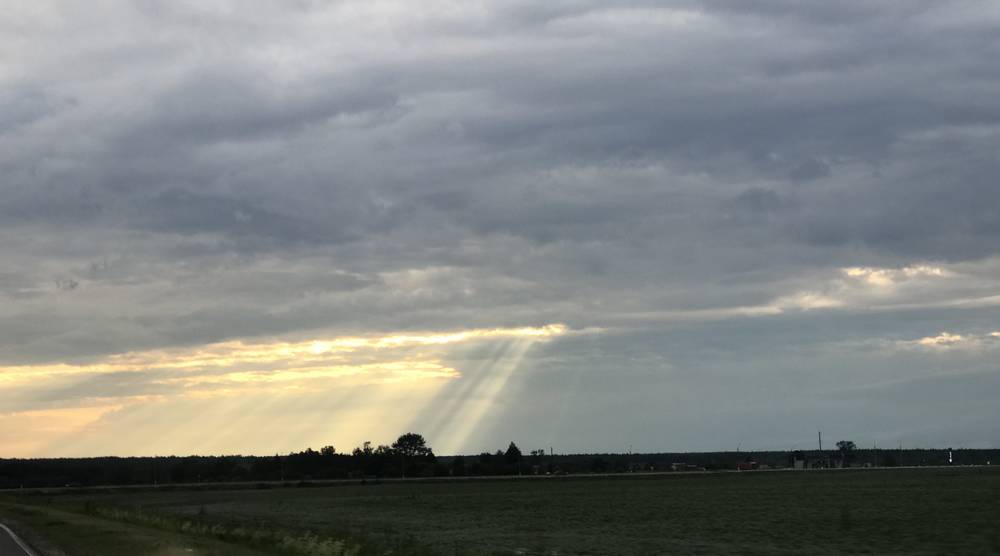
[
  {"x": 911, "y": 511},
  {"x": 54, "y": 532}
]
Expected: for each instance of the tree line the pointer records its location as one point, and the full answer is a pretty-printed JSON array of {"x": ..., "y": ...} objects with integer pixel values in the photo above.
[
  {"x": 408, "y": 456},
  {"x": 411, "y": 457}
]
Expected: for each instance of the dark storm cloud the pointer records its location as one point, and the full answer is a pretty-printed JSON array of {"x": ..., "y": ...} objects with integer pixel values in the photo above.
[
  {"x": 558, "y": 91},
  {"x": 219, "y": 103},
  {"x": 184, "y": 173}
]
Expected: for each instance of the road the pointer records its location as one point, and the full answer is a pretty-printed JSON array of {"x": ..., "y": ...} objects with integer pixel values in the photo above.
[{"x": 11, "y": 545}]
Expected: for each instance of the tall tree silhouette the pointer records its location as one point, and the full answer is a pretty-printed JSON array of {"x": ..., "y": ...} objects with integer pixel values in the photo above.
[
  {"x": 513, "y": 453},
  {"x": 411, "y": 447},
  {"x": 412, "y": 444}
]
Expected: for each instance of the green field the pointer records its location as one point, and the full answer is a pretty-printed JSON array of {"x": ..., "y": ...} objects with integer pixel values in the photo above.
[{"x": 905, "y": 511}]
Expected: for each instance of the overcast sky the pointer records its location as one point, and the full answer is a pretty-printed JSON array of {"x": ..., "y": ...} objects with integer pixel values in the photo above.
[{"x": 253, "y": 227}]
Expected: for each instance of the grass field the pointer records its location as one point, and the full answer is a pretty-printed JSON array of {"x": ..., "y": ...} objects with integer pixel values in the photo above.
[{"x": 912, "y": 511}]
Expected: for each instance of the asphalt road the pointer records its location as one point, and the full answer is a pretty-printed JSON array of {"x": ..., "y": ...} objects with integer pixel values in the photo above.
[{"x": 11, "y": 545}]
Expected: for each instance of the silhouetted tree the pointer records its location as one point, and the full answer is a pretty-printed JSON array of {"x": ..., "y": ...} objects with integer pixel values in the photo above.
[
  {"x": 513, "y": 457},
  {"x": 363, "y": 451},
  {"x": 365, "y": 459},
  {"x": 513, "y": 454},
  {"x": 846, "y": 448},
  {"x": 412, "y": 452},
  {"x": 412, "y": 444}
]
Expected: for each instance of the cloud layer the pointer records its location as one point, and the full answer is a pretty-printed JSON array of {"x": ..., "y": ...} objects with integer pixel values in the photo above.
[{"x": 736, "y": 195}]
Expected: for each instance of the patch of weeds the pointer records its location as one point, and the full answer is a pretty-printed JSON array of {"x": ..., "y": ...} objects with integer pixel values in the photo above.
[{"x": 284, "y": 541}]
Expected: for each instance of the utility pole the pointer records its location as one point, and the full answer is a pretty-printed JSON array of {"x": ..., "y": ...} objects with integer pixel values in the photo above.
[{"x": 820, "y": 435}]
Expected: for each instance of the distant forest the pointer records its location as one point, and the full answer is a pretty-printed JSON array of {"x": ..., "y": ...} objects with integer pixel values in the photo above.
[{"x": 410, "y": 457}]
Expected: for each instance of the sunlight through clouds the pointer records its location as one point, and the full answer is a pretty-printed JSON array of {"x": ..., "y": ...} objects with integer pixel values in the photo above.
[
  {"x": 317, "y": 218},
  {"x": 268, "y": 360},
  {"x": 462, "y": 421},
  {"x": 312, "y": 389}
]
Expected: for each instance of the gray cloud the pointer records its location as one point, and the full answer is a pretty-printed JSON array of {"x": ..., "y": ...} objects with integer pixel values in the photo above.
[{"x": 178, "y": 175}]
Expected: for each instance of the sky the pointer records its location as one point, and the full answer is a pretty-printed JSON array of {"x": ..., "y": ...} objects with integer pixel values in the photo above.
[{"x": 259, "y": 226}]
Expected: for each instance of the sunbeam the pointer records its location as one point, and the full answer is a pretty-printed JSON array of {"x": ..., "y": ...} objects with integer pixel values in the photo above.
[
  {"x": 438, "y": 414},
  {"x": 476, "y": 405},
  {"x": 261, "y": 396}
]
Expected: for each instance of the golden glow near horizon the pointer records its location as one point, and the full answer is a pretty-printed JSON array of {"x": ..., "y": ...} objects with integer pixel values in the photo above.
[
  {"x": 23, "y": 433},
  {"x": 239, "y": 383},
  {"x": 307, "y": 356}
]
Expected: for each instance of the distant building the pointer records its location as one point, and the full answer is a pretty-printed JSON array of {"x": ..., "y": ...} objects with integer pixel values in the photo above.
[
  {"x": 677, "y": 466},
  {"x": 799, "y": 460},
  {"x": 747, "y": 465}
]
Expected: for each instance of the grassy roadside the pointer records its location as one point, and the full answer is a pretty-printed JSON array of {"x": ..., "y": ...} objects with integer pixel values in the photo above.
[
  {"x": 55, "y": 532},
  {"x": 58, "y": 528}
]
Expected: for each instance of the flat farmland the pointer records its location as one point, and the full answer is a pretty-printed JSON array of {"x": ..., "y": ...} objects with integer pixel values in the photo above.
[{"x": 905, "y": 511}]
